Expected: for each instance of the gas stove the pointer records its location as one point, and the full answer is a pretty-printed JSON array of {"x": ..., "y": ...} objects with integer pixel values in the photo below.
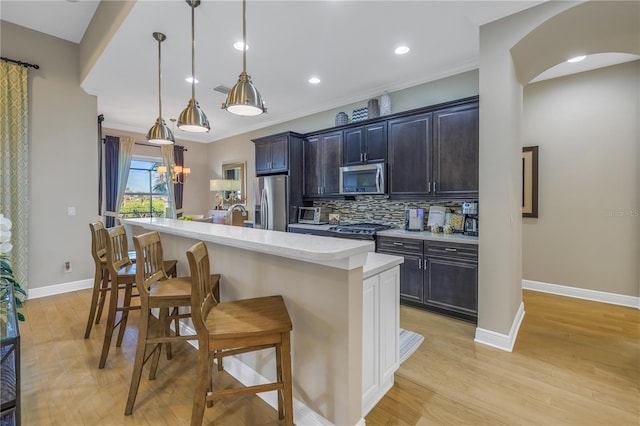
[{"x": 360, "y": 231}]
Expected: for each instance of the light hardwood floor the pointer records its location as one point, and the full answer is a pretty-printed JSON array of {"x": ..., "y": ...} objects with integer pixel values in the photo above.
[{"x": 575, "y": 363}]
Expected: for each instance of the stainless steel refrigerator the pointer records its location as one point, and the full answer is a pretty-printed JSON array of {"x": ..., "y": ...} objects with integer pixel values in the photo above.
[{"x": 271, "y": 202}]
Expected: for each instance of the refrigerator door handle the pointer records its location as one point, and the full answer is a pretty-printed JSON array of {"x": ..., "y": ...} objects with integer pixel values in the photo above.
[{"x": 263, "y": 208}]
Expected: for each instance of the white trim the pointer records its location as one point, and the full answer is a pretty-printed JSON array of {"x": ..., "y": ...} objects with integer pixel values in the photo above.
[
  {"x": 499, "y": 340},
  {"x": 50, "y": 290},
  {"x": 583, "y": 293},
  {"x": 361, "y": 422}
]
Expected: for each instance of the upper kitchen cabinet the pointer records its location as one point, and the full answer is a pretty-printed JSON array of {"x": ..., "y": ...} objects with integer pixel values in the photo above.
[
  {"x": 322, "y": 158},
  {"x": 455, "y": 152},
  {"x": 433, "y": 153},
  {"x": 274, "y": 153},
  {"x": 365, "y": 144},
  {"x": 409, "y": 155}
]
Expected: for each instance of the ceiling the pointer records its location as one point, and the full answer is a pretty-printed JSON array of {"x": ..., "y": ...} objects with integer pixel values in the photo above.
[{"x": 347, "y": 44}]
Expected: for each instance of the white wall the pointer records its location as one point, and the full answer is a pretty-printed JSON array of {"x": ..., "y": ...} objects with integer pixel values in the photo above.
[
  {"x": 63, "y": 157},
  {"x": 586, "y": 127}
]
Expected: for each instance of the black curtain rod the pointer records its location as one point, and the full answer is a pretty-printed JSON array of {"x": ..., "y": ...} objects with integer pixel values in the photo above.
[
  {"x": 143, "y": 144},
  {"x": 22, "y": 64}
]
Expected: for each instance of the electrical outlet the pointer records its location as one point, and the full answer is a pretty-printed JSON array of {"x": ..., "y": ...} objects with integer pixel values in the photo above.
[
  {"x": 67, "y": 266},
  {"x": 71, "y": 211}
]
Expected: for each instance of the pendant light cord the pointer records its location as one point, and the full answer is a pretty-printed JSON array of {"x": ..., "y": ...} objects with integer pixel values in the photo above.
[
  {"x": 159, "y": 79},
  {"x": 244, "y": 36},
  {"x": 193, "y": 48}
]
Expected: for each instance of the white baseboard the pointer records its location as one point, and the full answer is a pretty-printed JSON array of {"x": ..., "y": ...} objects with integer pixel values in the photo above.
[
  {"x": 50, "y": 290},
  {"x": 581, "y": 293},
  {"x": 498, "y": 340}
]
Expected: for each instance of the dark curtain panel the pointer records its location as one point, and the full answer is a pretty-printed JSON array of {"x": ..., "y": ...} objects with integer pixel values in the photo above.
[
  {"x": 111, "y": 152},
  {"x": 100, "y": 120},
  {"x": 178, "y": 157}
]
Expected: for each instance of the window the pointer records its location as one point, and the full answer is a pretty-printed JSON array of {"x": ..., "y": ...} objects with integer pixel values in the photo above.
[{"x": 145, "y": 195}]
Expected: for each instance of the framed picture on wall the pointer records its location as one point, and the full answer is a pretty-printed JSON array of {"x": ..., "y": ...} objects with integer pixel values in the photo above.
[{"x": 530, "y": 181}]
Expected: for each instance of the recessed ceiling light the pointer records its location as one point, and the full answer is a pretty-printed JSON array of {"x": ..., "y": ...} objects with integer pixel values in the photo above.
[
  {"x": 190, "y": 79},
  {"x": 314, "y": 80},
  {"x": 401, "y": 50},
  {"x": 239, "y": 44},
  {"x": 577, "y": 59}
]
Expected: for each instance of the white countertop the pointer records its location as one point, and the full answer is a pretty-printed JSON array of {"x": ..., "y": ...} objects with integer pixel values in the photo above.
[
  {"x": 378, "y": 262},
  {"x": 426, "y": 235},
  {"x": 336, "y": 252}
]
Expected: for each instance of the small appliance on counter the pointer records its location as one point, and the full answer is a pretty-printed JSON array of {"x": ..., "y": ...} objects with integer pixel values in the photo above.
[
  {"x": 314, "y": 215},
  {"x": 414, "y": 220},
  {"x": 470, "y": 210}
]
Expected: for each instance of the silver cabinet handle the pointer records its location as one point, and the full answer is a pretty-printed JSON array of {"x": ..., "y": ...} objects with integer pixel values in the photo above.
[
  {"x": 361, "y": 157},
  {"x": 429, "y": 187},
  {"x": 419, "y": 263},
  {"x": 365, "y": 156},
  {"x": 450, "y": 249},
  {"x": 398, "y": 244}
]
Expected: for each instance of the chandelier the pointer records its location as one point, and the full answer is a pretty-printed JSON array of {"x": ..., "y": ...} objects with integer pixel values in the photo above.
[{"x": 178, "y": 174}]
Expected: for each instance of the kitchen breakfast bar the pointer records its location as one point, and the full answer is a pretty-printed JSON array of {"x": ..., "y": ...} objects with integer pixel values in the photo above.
[{"x": 343, "y": 300}]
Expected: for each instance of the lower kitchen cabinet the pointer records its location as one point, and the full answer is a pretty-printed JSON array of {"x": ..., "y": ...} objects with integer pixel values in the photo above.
[
  {"x": 380, "y": 336},
  {"x": 437, "y": 276}
]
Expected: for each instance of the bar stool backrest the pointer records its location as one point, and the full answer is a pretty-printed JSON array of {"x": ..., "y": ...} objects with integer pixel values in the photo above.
[
  {"x": 202, "y": 298},
  {"x": 149, "y": 267},
  {"x": 116, "y": 247},
  {"x": 98, "y": 243}
]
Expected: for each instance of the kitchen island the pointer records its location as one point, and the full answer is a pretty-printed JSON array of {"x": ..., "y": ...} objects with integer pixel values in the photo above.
[{"x": 321, "y": 280}]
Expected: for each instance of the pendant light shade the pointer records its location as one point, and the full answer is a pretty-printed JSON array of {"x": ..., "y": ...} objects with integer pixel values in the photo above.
[
  {"x": 193, "y": 119},
  {"x": 244, "y": 99},
  {"x": 160, "y": 133}
]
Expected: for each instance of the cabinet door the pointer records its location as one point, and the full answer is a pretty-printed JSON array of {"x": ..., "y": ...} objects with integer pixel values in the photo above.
[
  {"x": 376, "y": 143},
  {"x": 330, "y": 164},
  {"x": 279, "y": 153},
  {"x": 370, "y": 338},
  {"x": 263, "y": 157},
  {"x": 455, "y": 151},
  {"x": 353, "y": 146},
  {"x": 389, "y": 324},
  {"x": 411, "y": 280},
  {"x": 452, "y": 285},
  {"x": 311, "y": 162},
  {"x": 409, "y": 155}
]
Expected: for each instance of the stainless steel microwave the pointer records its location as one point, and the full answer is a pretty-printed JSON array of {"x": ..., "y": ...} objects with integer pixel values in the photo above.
[
  {"x": 313, "y": 215},
  {"x": 365, "y": 179}
]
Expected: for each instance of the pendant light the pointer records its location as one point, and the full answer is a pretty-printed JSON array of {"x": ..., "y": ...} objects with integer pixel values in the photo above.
[
  {"x": 244, "y": 98},
  {"x": 160, "y": 133},
  {"x": 192, "y": 119}
]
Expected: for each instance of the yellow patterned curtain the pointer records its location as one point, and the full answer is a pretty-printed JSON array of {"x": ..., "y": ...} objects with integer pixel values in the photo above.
[{"x": 14, "y": 162}]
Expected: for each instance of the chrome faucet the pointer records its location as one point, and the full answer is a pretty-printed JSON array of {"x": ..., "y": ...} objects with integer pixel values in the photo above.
[{"x": 230, "y": 210}]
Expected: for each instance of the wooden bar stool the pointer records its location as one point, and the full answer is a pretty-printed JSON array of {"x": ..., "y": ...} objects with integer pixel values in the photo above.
[
  {"x": 157, "y": 290},
  {"x": 232, "y": 328},
  {"x": 101, "y": 275},
  {"x": 122, "y": 273}
]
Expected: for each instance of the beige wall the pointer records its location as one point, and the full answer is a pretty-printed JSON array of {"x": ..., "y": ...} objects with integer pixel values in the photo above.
[
  {"x": 586, "y": 126},
  {"x": 240, "y": 148},
  {"x": 63, "y": 157}
]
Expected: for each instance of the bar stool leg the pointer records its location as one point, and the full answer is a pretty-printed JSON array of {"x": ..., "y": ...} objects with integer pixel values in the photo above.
[
  {"x": 202, "y": 377},
  {"x": 111, "y": 320},
  {"x": 139, "y": 360},
  {"x": 97, "y": 283},
  {"x": 279, "y": 379},
  {"x": 103, "y": 294},
  {"x": 125, "y": 313},
  {"x": 286, "y": 373}
]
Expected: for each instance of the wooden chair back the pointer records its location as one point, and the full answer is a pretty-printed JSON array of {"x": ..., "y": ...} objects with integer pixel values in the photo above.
[
  {"x": 149, "y": 266},
  {"x": 202, "y": 298},
  {"x": 117, "y": 248},
  {"x": 98, "y": 243}
]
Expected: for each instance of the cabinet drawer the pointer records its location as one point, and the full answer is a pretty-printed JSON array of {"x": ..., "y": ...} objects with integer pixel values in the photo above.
[
  {"x": 399, "y": 245},
  {"x": 452, "y": 250}
]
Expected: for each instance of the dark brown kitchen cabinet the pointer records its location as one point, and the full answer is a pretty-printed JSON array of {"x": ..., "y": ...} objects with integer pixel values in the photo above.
[
  {"x": 455, "y": 151},
  {"x": 322, "y": 158},
  {"x": 366, "y": 144},
  {"x": 409, "y": 148},
  {"x": 441, "y": 277},
  {"x": 434, "y": 155},
  {"x": 272, "y": 154}
]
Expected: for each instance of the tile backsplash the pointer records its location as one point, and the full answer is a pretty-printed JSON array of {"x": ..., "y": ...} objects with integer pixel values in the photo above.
[{"x": 380, "y": 209}]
